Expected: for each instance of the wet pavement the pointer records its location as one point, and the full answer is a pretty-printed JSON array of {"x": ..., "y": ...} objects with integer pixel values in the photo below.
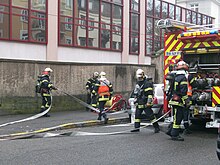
[{"x": 71, "y": 118}]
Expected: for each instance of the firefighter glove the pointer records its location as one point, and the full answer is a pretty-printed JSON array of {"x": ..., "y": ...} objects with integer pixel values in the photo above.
[
  {"x": 149, "y": 104},
  {"x": 54, "y": 88}
]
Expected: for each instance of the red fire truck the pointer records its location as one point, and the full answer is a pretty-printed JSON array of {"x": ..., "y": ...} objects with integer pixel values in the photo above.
[{"x": 199, "y": 46}]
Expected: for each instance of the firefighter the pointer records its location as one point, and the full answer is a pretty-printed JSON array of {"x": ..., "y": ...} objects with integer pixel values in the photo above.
[
  {"x": 45, "y": 90},
  {"x": 104, "y": 90},
  {"x": 143, "y": 93},
  {"x": 179, "y": 100},
  {"x": 192, "y": 83},
  {"x": 90, "y": 84}
]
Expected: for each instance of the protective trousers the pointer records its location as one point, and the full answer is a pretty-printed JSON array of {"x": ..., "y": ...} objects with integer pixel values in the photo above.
[
  {"x": 94, "y": 101},
  {"x": 149, "y": 114},
  {"x": 101, "y": 108},
  {"x": 88, "y": 98},
  {"x": 177, "y": 119},
  {"x": 46, "y": 102},
  {"x": 186, "y": 118}
]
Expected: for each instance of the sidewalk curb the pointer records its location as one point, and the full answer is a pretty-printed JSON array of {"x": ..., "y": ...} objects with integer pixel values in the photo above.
[{"x": 88, "y": 123}]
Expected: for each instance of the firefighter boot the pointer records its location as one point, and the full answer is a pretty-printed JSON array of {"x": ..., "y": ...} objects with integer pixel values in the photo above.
[
  {"x": 105, "y": 118},
  {"x": 46, "y": 115},
  {"x": 42, "y": 110},
  {"x": 156, "y": 127},
  {"x": 175, "y": 135},
  {"x": 187, "y": 131},
  {"x": 100, "y": 116},
  {"x": 177, "y": 138},
  {"x": 136, "y": 127},
  {"x": 169, "y": 129}
]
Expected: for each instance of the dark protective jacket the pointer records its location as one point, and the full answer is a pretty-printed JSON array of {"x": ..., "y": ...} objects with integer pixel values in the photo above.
[
  {"x": 180, "y": 89},
  {"x": 143, "y": 92},
  {"x": 46, "y": 85},
  {"x": 91, "y": 83},
  {"x": 192, "y": 81}
]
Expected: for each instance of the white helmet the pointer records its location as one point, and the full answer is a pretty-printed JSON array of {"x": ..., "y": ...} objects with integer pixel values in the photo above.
[
  {"x": 182, "y": 65},
  {"x": 102, "y": 74},
  {"x": 95, "y": 75},
  {"x": 48, "y": 70},
  {"x": 140, "y": 74}
]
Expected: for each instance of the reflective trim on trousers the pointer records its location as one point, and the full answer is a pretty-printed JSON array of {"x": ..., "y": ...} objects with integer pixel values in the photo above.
[
  {"x": 141, "y": 106},
  {"x": 46, "y": 94},
  {"x": 152, "y": 121},
  {"x": 174, "y": 120},
  {"x": 137, "y": 120}
]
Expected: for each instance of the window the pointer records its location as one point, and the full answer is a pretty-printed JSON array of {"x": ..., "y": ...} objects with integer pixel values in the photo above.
[
  {"x": 69, "y": 4},
  {"x": 157, "y": 8},
  {"x": 23, "y": 34},
  {"x": 67, "y": 25},
  {"x": 194, "y": 7},
  {"x": 178, "y": 14},
  {"x": 24, "y": 15},
  {"x": 135, "y": 5},
  {"x": 68, "y": 40},
  {"x": 92, "y": 24},
  {"x": 41, "y": 21},
  {"x": 171, "y": 11},
  {"x": 1, "y": 33},
  {"x": 24, "y": 20},
  {"x": 164, "y": 10},
  {"x": 2, "y": 8},
  {"x": 134, "y": 28},
  {"x": 161, "y": 9}
]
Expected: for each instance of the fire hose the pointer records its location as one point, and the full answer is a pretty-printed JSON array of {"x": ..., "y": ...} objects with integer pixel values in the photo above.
[
  {"x": 80, "y": 133},
  {"x": 29, "y": 118},
  {"x": 95, "y": 109},
  {"x": 44, "y": 134}
]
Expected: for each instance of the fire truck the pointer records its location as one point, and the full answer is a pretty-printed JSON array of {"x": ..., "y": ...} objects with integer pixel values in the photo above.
[{"x": 199, "y": 46}]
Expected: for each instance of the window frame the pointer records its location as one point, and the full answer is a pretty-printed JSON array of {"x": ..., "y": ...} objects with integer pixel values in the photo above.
[
  {"x": 90, "y": 24},
  {"x": 25, "y": 17},
  {"x": 131, "y": 31},
  {"x": 182, "y": 15}
]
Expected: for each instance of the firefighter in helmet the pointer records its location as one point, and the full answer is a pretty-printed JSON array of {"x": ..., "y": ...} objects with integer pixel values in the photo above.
[
  {"x": 90, "y": 84},
  {"x": 179, "y": 100},
  {"x": 45, "y": 90},
  {"x": 192, "y": 83},
  {"x": 143, "y": 93},
  {"x": 104, "y": 90}
]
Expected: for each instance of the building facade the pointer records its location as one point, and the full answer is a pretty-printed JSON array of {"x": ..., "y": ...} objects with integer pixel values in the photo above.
[
  {"x": 87, "y": 31},
  {"x": 208, "y": 7}
]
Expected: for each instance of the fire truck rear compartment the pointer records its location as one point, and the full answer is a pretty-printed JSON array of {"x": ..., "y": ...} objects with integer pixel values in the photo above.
[{"x": 206, "y": 68}]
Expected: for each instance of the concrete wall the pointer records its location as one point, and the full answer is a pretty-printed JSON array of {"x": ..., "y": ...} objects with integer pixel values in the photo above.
[
  {"x": 158, "y": 61},
  {"x": 18, "y": 80}
]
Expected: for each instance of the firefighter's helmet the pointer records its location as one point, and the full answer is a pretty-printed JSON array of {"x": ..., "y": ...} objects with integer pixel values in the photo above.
[
  {"x": 102, "y": 74},
  {"x": 182, "y": 65},
  {"x": 95, "y": 75},
  {"x": 47, "y": 71},
  {"x": 140, "y": 74}
]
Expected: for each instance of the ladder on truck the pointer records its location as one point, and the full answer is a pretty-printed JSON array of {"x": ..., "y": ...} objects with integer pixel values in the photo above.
[{"x": 172, "y": 25}]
